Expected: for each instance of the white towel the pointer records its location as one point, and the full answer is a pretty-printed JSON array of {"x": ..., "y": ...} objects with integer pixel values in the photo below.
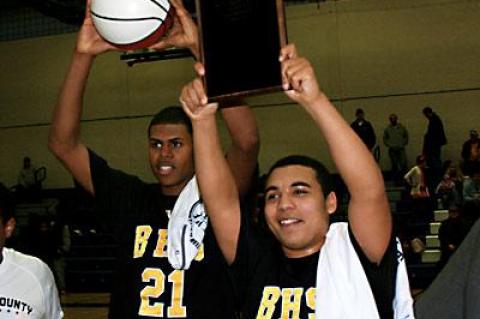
[
  {"x": 343, "y": 291},
  {"x": 186, "y": 227}
]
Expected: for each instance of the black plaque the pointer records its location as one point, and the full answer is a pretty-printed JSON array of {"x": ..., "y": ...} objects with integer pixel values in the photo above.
[{"x": 240, "y": 42}]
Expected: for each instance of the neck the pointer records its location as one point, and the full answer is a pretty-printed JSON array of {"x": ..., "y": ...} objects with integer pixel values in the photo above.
[
  {"x": 173, "y": 190},
  {"x": 299, "y": 253}
]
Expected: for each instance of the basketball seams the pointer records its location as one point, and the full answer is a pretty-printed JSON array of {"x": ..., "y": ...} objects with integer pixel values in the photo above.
[
  {"x": 146, "y": 37},
  {"x": 126, "y": 19},
  {"x": 125, "y": 26},
  {"x": 160, "y": 6}
]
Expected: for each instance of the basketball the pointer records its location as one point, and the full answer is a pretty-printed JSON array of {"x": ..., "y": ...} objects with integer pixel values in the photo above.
[{"x": 132, "y": 24}]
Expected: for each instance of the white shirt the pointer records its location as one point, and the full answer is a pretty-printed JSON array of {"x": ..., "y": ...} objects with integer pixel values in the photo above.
[{"x": 27, "y": 288}]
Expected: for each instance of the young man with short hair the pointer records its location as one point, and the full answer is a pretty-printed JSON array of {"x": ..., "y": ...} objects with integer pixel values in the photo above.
[
  {"x": 27, "y": 286},
  {"x": 153, "y": 280},
  {"x": 310, "y": 269}
]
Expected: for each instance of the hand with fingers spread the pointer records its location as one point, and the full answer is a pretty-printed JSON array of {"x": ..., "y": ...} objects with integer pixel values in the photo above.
[
  {"x": 298, "y": 77},
  {"x": 183, "y": 34},
  {"x": 195, "y": 102},
  {"x": 89, "y": 40}
]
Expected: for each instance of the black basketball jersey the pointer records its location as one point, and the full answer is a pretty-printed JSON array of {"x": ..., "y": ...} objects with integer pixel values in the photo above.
[
  {"x": 275, "y": 286},
  {"x": 145, "y": 285}
]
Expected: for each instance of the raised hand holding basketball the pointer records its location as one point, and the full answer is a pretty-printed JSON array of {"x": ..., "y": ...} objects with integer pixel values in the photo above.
[
  {"x": 132, "y": 24},
  {"x": 183, "y": 33},
  {"x": 89, "y": 41}
]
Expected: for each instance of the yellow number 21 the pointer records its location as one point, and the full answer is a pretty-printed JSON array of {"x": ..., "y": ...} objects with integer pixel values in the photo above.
[{"x": 157, "y": 279}]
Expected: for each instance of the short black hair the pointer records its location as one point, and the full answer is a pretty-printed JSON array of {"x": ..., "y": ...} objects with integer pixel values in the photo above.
[
  {"x": 321, "y": 172},
  {"x": 171, "y": 115},
  {"x": 7, "y": 204},
  {"x": 427, "y": 110},
  {"x": 359, "y": 111}
]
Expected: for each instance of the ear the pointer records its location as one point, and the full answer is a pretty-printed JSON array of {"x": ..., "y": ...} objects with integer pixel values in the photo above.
[
  {"x": 10, "y": 227},
  {"x": 331, "y": 203}
]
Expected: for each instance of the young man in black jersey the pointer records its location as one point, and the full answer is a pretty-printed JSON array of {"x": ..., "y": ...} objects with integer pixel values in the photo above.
[
  {"x": 146, "y": 285},
  {"x": 357, "y": 267}
]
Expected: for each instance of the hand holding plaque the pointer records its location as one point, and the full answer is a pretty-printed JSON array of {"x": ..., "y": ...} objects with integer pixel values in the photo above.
[{"x": 240, "y": 41}]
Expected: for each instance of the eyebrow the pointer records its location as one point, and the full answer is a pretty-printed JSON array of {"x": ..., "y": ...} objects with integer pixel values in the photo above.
[
  {"x": 295, "y": 184},
  {"x": 301, "y": 184},
  {"x": 174, "y": 139}
]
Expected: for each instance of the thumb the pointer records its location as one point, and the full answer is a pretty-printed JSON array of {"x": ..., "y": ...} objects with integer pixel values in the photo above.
[
  {"x": 185, "y": 108},
  {"x": 199, "y": 68},
  {"x": 212, "y": 106},
  {"x": 292, "y": 94}
]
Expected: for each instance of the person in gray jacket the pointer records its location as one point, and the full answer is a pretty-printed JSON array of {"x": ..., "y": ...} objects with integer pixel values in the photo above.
[{"x": 395, "y": 138}]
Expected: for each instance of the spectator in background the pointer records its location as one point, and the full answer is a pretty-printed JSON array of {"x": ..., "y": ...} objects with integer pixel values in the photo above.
[
  {"x": 451, "y": 233},
  {"x": 26, "y": 283},
  {"x": 28, "y": 186},
  {"x": 449, "y": 190},
  {"x": 433, "y": 141},
  {"x": 26, "y": 177},
  {"x": 395, "y": 138},
  {"x": 364, "y": 129},
  {"x": 471, "y": 187},
  {"x": 470, "y": 153},
  {"x": 421, "y": 202}
]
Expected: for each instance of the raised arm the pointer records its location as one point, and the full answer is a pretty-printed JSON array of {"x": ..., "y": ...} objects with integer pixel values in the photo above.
[
  {"x": 217, "y": 184},
  {"x": 184, "y": 32},
  {"x": 243, "y": 152},
  {"x": 369, "y": 212},
  {"x": 64, "y": 139}
]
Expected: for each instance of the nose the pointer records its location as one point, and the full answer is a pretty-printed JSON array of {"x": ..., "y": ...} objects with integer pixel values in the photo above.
[
  {"x": 285, "y": 202},
  {"x": 166, "y": 151}
]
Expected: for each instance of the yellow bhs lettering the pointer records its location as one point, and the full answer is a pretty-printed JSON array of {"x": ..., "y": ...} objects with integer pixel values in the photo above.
[
  {"x": 269, "y": 299},
  {"x": 161, "y": 249},
  {"x": 142, "y": 233},
  {"x": 310, "y": 298},
  {"x": 291, "y": 300}
]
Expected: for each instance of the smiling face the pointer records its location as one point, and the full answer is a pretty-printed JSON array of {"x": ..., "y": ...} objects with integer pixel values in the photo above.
[
  {"x": 296, "y": 210},
  {"x": 171, "y": 156}
]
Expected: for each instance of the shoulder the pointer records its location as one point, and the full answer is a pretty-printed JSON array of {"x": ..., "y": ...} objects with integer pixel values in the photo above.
[
  {"x": 30, "y": 266},
  {"x": 102, "y": 173}
]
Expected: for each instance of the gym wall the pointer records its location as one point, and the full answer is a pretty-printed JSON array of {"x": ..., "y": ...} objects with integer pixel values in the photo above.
[{"x": 383, "y": 56}]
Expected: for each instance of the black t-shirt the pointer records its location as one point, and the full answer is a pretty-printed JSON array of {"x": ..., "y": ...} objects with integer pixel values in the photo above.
[
  {"x": 145, "y": 285},
  {"x": 274, "y": 286}
]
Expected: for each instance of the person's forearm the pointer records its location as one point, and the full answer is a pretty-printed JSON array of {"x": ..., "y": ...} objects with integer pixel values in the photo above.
[
  {"x": 243, "y": 152},
  {"x": 359, "y": 169},
  {"x": 217, "y": 185},
  {"x": 368, "y": 210},
  {"x": 65, "y": 128}
]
